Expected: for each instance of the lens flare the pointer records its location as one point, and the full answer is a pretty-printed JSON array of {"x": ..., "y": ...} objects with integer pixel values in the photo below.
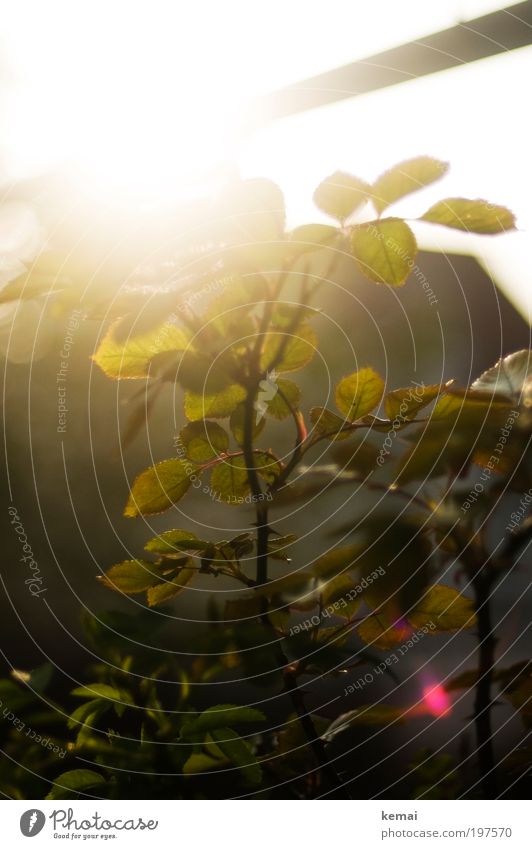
[{"x": 436, "y": 700}]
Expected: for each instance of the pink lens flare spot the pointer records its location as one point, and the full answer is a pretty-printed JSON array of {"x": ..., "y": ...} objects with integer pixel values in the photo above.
[
  {"x": 402, "y": 628},
  {"x": 437, "y": 701}
]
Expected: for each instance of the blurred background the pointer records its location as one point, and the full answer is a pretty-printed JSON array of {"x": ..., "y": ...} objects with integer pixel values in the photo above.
[{"x": 119, "y": 123}]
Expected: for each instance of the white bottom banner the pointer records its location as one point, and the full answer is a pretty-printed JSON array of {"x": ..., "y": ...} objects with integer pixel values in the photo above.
[{"x": 263, "y": 825}]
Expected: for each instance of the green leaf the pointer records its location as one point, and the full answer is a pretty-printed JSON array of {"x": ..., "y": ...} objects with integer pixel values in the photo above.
[
  {"x": 395, "y": 564},
  {"x": 475, "y": 216},
  {"x": 237, "y": 547},
  {"x": 236, "y": 423},
  {"x": 159, "y": 487},
  {"x": 446, "y": 608},
  {"x": 14, "y": 697},
  {"x": 464, "y": 424},
  {"x": 201, "y": 762},
  {"x": 406, "y": 402},
  {"x": 238, "y": 752},
  {"x": 219, "y": 716},
  {"x": 311, "y": 237},
  {"x": 277, "y": 407},
  {"x": 131, "y": 576},
  {"x": 88, "y": 712},
  {"x": 336, "y": 561},
  {"x": 379, "y": 633},
  {"x": 464, "y": 681},
  {"x": 217, "y": 406},
  {"x": 385, "y": 250},
  {"x": 205, "y": 374},
  {"x": 103, "y": 691},
  {"x": 175, "y": 542},
  {"x": 343, "y": 598},
  {"x": 44, "y": 274},
  {"x": 335, "y": 588},
  {"x": 290, "y": 350},
  {"x": 243, "y": 607},
  {"x": 365, "y": 715},
  {"x": 229, "y": 480},
  {"x": 204, "y": 440},
  {"x": 406, "y": 177},
  {"x": 359, "y": 393},
  {"x": 471, "y": 405},
  {"x": 516, "y": 686},
  {"x": 358, "y": 457},
  {"x": 509, "y": 377},
  {"x": 268, "y": 467},
  {"x": 75, "y": 781},
  {"x": 341, "y": 194},
  {"x": 228, "y": 312},
  {"x": 277, "y": 547},
  {"x": 297, "y": 587},
  {"x": 329, "y": 425},
  {"x": 131, "y": 357},
  {"x": 170, "y": 589},
  {"x": 286, "y": 314}
]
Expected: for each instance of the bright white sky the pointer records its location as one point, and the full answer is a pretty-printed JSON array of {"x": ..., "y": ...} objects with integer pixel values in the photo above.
[
  {"x": 139, "y": 99},
  {"x": 114, "y": 86}
]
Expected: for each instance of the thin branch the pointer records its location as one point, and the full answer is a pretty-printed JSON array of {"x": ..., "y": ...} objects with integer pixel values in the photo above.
[
  {"x": 263, "y": 532},
  {"x": 481, "y": 574},
  {"x": 483, "y": 691}
]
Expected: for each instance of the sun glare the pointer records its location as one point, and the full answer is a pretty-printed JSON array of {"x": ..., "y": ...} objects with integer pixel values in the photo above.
[
  {"x": 145, "y": 100},
  {"x": 127, "y": 109}
]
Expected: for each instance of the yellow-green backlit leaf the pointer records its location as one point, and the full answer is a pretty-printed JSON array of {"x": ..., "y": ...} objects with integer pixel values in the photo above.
[
  {"x": 159, "y": 487},
  {"x": 286, "y": 391},
  {"x": 203, "y": 440},
  {"x": 329, "y": 425},
  {"x": 131, "y": 576},
  {"x": 169, "y": 589},
  {"x": 219, "y": 716},
  {"x": 217, "y": 406},
  {"x": 446, "y": 608},
  {"x": 378, "y": 633},
  {"x": 288, "y": 350},
  {"x": 474, "y": 216},
  {"x": 75, "y": 781},
  {"x": 365, "y": 715},
  {"x": 239, "y": 753},
  {"x": 337, "y": 561},
  {"x": 359, "y": 393},
  {"x": 385, "y": 250},
  {"x": 229, "y": 481},
  {"x": 311, "y": 237},
  {"x": 341, "y": 194},
  {"x": 201, "y": 762},
  {"x": 200, "y": 374},
  {"x": 279, "y": 547},
  {"x": 407, "y": 401},
  {"x": 404, "y": 178},
  {"x": 175, "y": 542},
  {"x": 130, "y": 358}
]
